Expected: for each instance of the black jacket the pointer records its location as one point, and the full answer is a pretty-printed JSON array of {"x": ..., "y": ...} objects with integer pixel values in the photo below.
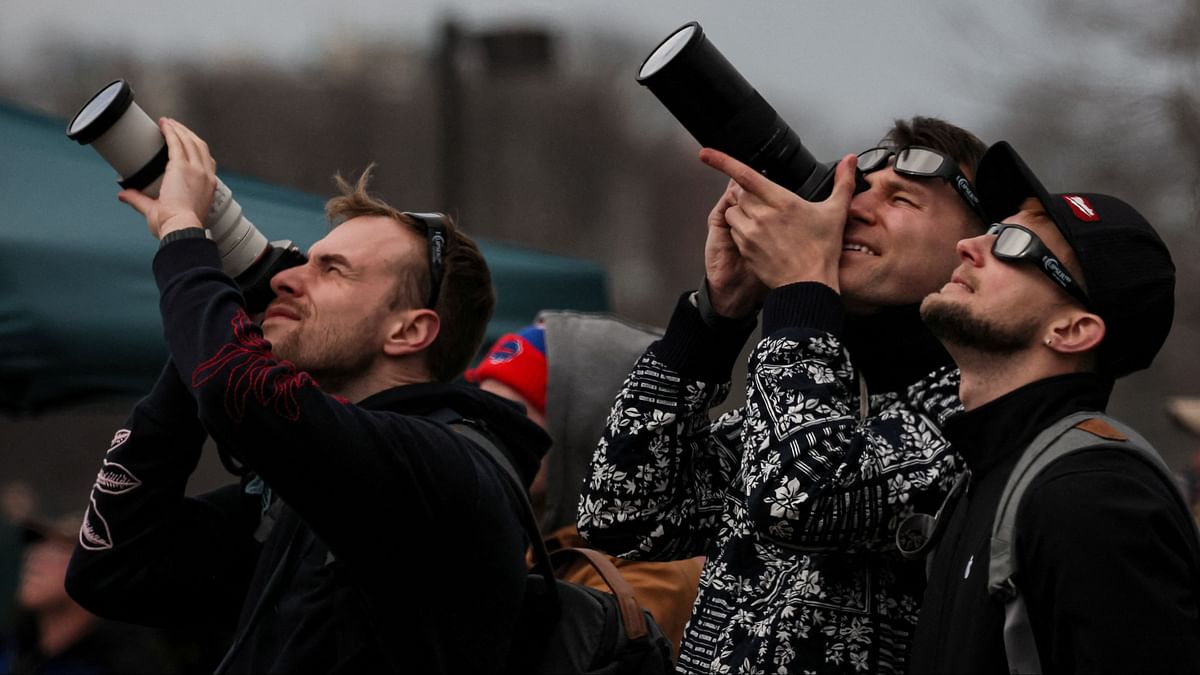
[
  {"x": 372, "y": 540},
  {"x": 1109, "y": 564}
]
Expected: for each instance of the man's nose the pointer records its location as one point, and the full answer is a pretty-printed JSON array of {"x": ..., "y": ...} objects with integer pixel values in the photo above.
[
  {"x": 288, "y": 281},
  {"x": 974, "y": 249},
  {"x": 864, "y": 204}
]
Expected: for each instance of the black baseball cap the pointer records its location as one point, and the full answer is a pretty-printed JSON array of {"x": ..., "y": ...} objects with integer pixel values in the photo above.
[{"x": 1127, "y": 269}]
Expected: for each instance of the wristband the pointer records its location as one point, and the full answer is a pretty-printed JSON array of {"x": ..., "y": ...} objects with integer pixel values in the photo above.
[{"x": 185, "y": 233}]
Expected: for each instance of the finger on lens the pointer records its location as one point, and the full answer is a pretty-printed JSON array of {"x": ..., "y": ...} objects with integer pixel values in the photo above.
[
  {"x": 843, "y": 178},
  {"x": 195, "y": 147},
  {"x": 176, "y": 149},
  {"x": 135, "y": 199},
  {"x": 746, "y": 177}
]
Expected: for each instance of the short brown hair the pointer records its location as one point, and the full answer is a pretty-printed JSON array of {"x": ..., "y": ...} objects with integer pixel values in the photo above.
[
  {"x": 961, "y": 145},
  {"x": 466, "y": 299}
]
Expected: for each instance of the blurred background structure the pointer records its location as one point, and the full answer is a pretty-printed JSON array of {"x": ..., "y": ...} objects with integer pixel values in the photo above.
[{"x": 523, "y": 119}]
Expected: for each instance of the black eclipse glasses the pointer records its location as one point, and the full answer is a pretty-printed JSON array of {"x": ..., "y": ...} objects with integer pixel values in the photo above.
[
  {"x": 435, "y": 233},
  {"x": 1014, "y": 242},
  {"x": 922, "y": 162}
]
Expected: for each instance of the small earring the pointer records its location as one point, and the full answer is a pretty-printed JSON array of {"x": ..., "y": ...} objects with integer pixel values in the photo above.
[{"x": 1049, "y": 341}]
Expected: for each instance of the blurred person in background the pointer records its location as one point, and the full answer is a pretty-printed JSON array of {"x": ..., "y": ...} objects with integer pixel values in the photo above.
[
  {"x": 18, "y": 503},
  {"x": 1185, "y": 410},
  {"x": 566, "y": 369},
  {"x": 54, "y": 634},
  {"x": 794, "y": 498}
]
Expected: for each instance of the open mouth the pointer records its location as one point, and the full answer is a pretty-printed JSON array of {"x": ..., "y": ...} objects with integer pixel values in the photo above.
[{"x": 858, "y": 248}]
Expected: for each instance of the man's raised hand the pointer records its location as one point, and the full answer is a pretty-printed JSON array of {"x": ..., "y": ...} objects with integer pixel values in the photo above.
[
  {"x": 782, "y": 237},
  {"x": 188, "y": 183}
]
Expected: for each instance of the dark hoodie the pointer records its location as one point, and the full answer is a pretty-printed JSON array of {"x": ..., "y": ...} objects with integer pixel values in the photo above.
[
  {"x": 588, "y": 357},
  {"x": 368, "y": 539}
]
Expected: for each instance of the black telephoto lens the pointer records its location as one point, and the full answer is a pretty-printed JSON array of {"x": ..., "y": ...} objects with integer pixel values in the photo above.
[{"x": 721, "y": 110}]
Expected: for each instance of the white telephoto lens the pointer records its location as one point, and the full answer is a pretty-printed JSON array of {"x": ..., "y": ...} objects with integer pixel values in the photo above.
[
  {"x": 131, "y": 142},
  {"x": 238, "y": 241}
]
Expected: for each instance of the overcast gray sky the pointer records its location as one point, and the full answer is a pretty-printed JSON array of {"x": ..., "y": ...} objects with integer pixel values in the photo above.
[{"x": 865, "y": 60}]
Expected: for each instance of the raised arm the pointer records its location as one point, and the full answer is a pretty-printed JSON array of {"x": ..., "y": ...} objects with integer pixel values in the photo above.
[
  {"x": 147, "y": 553},
  {"x": 657, "y": 482},
  {"x": 342, "y": 467},
  {"x": 822, "y": 473}
]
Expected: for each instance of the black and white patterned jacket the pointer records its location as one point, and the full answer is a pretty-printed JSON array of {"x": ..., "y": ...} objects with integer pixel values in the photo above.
[{"x": 794, "y": 497}]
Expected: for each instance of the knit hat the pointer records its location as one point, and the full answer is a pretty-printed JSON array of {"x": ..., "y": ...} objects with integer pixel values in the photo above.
[
  {"x": 519, "y": 361},
  {"x": 1127, "y": 269}
]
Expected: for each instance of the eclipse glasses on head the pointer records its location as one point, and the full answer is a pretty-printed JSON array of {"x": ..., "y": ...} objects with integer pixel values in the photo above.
[
  {"x": 922, "y": 162},
  {"x": 435, "y": 234}
]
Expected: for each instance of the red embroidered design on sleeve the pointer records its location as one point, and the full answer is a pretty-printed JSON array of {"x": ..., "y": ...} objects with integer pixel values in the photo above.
[{"x": 253, "y": 374}]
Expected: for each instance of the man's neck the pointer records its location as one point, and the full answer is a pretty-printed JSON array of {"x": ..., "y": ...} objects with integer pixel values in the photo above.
[
  {"x": 364, "y": 385},
  {"x": 987, "y": 376}
]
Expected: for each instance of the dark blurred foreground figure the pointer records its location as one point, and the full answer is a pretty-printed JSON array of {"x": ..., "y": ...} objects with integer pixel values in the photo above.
[
  {"x": 53, "y": 634},
  {"x": 368, "y": 537},
  {"x": 566, "y": 369},
  {"x": 1065, "y": 294}
]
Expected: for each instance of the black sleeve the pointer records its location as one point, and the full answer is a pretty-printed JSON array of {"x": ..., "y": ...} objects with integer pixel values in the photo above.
[
  {"x": 1108, "y": 565},
  {"x": 147, "y": 553}
]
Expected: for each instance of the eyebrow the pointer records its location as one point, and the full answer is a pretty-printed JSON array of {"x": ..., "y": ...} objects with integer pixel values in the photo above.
[
  {"x": 323, "y": 259},
  {"x": 897, "y": 182}
]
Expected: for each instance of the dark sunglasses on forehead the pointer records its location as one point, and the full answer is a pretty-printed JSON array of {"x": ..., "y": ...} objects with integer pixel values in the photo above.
[
  {"x": 1014, "y": 242},
  {"x": 435, "y": 234},
  {"x": 922, "y": 162}
]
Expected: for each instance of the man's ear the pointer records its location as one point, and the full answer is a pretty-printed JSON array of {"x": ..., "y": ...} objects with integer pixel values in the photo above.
[
  {"x": 412, "y": 331},
  {"x": 1076, "y": 333}
]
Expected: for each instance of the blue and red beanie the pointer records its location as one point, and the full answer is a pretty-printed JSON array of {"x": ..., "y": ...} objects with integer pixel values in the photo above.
[{"x": 519, "y": 361}]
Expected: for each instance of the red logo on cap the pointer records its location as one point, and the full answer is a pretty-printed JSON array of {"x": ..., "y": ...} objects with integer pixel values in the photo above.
[{"x": 1082, "y": 208}]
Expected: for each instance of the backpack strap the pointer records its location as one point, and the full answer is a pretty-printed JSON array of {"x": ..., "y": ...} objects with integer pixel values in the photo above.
[
  {"x": 632, "y": 616},
  {"x": 631, "y": 610},
  {"x": 1075, "y": 432},
  {"x": 512, "y": 481}
]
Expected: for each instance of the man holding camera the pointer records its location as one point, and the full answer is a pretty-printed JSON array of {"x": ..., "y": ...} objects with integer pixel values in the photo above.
[
  {"x": 794, "y": 498},
  {"x": 1098, "y": 570},
  {"x": 368, "y": 537}
]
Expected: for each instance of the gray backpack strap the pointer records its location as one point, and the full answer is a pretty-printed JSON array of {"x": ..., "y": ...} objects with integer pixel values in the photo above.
[{"x": 1078, "y": 431}]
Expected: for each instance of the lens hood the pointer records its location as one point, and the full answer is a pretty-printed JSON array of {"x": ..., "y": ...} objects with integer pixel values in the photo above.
[{"x": 101, "y": 111}]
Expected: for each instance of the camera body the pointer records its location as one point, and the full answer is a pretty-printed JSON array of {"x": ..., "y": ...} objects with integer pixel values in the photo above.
[
  {"x": 712, "y": 100},
  {"x": 131, "y": 142}
]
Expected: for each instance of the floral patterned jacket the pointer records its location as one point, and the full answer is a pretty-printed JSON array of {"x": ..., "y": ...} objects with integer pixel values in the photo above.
[{"x": 794, "y": 498}]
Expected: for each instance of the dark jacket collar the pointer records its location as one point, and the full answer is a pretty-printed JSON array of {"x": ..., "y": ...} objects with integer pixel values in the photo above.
[
  {"x": 893, "y": 348},
  {"x": 522, "y": 439},
  {"x": 1002, "y": 427}
]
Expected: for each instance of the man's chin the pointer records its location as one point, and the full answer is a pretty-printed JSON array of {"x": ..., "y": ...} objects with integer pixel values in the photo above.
[
  {"x": 281, "y": 346},
  {"x": 933, "y": 303}
]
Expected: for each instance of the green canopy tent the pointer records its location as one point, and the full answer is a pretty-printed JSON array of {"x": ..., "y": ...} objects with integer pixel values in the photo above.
[{"x": 78, "y": 305}]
